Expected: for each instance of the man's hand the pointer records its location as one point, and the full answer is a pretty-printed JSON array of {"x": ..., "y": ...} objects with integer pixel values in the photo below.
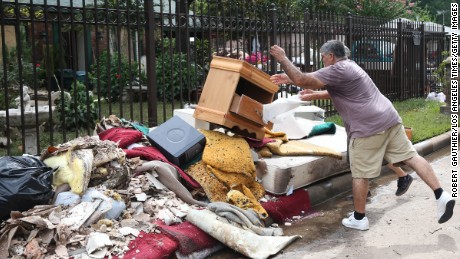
[
  {"x": 280, "y": 79},
  {"x": 307, "y": 95},
  {"x": 310, "y": 95},
  {"x": 277, "y": 52}
]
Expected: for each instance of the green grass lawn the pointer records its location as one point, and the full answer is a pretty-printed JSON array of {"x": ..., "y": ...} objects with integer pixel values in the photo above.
[{"x": 422, "y": 116}]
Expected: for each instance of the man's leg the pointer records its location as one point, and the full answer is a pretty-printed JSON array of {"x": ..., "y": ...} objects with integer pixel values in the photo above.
[
  {"x": 444, "y": 200},
  {"x": 366, "y": 155},
  {"x": 400, "y": 148},
  {"x": 360, "y": 190},
  {"x": 404, "y": 179},
  {"x": 357, "y": 219},
  {"x": 424, "y": 170},
  {"x": 397, "y": 170}
]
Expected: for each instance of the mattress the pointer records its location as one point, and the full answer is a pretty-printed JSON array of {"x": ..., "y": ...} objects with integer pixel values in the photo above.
[{"x": 287, "y": 173}]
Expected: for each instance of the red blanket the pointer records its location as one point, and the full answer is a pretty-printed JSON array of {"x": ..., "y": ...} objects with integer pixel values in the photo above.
[
  {"x": 151, "y": 246},
  {"x": 124, "y": 137},
  {"x": 189, "y": 237},
  {"x": 286, "y": 207},
  {"x": 184, "y": 236}
]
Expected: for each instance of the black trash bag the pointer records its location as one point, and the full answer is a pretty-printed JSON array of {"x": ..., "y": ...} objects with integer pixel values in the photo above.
[{"x": 25, "y": 181}]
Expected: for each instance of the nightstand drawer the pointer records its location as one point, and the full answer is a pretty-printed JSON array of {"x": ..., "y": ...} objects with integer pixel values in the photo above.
[{"x": 247, "y": 108}]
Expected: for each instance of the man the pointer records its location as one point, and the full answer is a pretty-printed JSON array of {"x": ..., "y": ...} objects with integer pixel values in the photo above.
[
  {"x": 404, "y": 179},
  {"x": 372, "y": 124}
]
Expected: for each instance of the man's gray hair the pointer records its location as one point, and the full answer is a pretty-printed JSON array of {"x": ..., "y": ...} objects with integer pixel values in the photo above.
[
  {"x": 337, "y": 48},
  {"x": 347, "y": 51}
]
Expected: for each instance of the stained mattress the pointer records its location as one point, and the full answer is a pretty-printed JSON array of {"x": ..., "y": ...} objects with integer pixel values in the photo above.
[{"x": 287, "y": 173}]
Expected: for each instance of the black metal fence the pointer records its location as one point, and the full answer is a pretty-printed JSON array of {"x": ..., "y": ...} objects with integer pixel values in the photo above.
[{"x": 139, "y": 60}]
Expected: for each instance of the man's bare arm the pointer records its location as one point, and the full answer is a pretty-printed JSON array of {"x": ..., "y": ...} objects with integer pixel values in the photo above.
[{"x": 304, "y": 80}]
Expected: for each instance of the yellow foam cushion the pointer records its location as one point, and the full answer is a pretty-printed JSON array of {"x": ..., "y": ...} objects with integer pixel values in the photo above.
[{"x": 228, "y": 153}]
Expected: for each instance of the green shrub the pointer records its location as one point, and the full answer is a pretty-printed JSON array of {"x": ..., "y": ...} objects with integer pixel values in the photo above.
[
  {"x": 12, "y": 71},
  {"x": 176, "y": 76},
  {"x": 12, "y": 78},
  {"x": 112, "y": 82},
  {"x": 203, "y": 52},
  {"x": 75, "y": 109},
  {"x": 28, "y": 76},
  {"x": 12, "y": 93}
]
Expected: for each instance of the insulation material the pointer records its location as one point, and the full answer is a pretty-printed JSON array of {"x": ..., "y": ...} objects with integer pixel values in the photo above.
[
  {"x": 73, "y": 167},
  {"x": 102, "y": 161}
]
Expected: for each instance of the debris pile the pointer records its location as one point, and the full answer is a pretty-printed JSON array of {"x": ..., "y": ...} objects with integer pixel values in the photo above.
[{"x": 113, "y": 190}]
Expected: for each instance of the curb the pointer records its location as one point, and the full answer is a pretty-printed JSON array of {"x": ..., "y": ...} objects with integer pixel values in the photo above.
[
  {"x": 429, "y": 146},
  {"x": 324, "y": 190}
]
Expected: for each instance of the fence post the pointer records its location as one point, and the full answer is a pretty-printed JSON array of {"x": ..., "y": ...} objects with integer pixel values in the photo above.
[
  {"x": 399, "y": 71},
  {"x": 306, "y": 40},
  {"x": 151, "y": 65},
  {"x": 349, "y": 38},
  {"x": 273, "y": 19},
  {"x": 19, "y": 47},
  {"x": 422, "y": 60}
]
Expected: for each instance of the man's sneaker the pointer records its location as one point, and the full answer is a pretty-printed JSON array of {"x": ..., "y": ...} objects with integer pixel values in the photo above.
[
  {"x": 445, "y": 207},
  {"x": 403, "y": 184},
  {"x": 351, "y": 222}
]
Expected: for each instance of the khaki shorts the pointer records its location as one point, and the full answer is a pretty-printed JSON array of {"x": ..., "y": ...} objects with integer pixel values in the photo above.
[{"x": 366, "y": 154}]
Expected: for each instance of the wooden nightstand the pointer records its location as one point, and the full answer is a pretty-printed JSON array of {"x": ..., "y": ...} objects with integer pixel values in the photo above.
[{"x": 233, "y": 95}]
